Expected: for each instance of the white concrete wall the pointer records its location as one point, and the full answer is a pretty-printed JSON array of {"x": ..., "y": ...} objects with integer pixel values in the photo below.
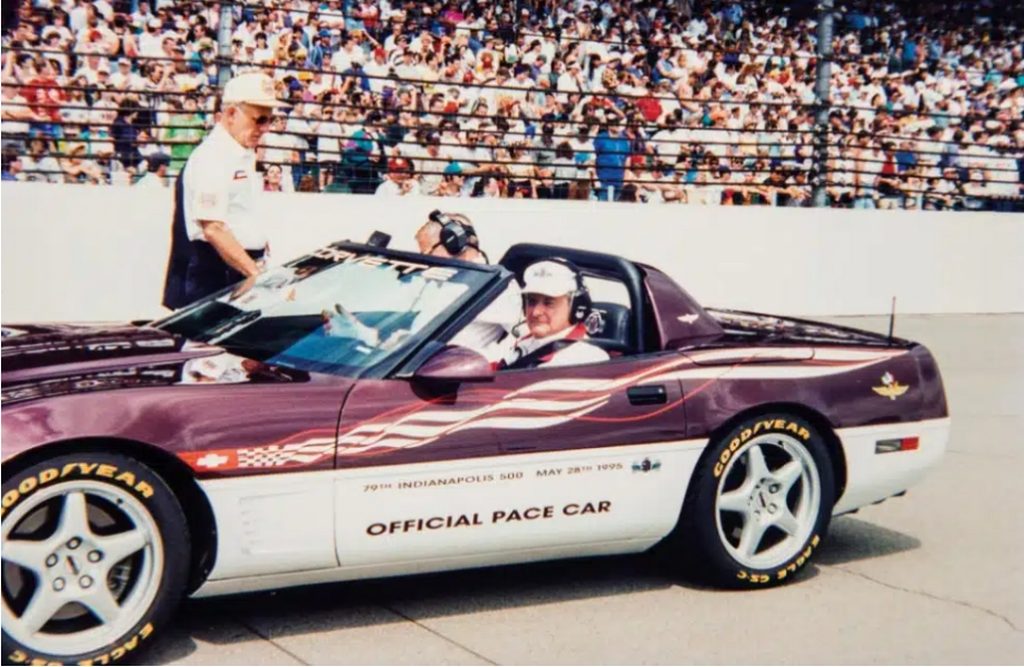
[{"x": 99, "y": 253}]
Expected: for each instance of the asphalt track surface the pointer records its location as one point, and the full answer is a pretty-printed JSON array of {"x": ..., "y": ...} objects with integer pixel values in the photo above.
[{"x": 934, "y": 577}]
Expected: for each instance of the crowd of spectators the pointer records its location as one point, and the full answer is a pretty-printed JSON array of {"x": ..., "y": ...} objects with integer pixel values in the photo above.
[{"x": 699, "y": 101}]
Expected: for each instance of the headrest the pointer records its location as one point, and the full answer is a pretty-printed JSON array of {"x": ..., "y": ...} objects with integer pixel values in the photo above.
[{"x": 608, "y": 325}]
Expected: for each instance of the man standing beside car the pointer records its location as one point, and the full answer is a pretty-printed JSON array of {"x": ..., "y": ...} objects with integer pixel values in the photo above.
[{"x": 216, "y": 237}]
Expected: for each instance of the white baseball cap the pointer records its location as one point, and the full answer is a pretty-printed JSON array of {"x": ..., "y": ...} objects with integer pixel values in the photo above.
[
  {"x": 549, "y": 278},
  {"x": 251, "y": 88}
]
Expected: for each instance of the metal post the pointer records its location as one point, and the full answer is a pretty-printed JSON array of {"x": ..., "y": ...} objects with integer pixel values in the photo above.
[
  {"x": 822, "y": 102},
  {"x": 226, "y": 24}
]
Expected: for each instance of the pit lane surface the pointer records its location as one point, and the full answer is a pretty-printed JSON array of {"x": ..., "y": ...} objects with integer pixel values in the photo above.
[{"x": 934, "y": 577}]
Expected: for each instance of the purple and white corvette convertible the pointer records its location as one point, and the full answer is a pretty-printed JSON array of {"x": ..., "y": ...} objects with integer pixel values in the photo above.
[{"x": 339, "y": 418}]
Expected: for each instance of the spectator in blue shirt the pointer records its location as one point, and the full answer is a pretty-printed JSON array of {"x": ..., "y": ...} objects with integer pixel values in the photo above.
[
  {"x": 315, "y": 56},
  {"x": 906, "y": 158},
  {"x": 734, "y": 13},
  {"x": 612, "y": 150},
  {"x": 11, "y": 165},
  {"x": 856, "y": 20},
  {"x": 934, "y": 49},
  {"x": 909, "y": 52},
  {"x": 356, "y": 73}
]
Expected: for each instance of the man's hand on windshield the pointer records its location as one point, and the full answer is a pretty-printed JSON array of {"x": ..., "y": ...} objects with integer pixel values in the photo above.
[
  {"x": 395, "y": 339},
  {"x": 343, "y": 324}
]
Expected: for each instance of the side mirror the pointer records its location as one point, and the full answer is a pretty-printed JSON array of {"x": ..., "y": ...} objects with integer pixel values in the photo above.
[
  {"x": 455, "y": 364},
  {"x": 379, "y": 239}
]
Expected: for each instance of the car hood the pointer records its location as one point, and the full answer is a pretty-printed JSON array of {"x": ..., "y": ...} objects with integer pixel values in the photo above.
[{"x": 43, "y": 360}]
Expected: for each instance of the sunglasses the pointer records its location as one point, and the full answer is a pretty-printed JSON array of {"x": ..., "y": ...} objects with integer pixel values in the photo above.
[{"x": 262, "y": 119}]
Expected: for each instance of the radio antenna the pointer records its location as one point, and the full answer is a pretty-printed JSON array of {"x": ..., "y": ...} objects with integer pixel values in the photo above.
[{"x": 892, "y": 318}]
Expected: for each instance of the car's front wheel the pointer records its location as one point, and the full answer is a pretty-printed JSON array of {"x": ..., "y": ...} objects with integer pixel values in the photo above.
[
  {"x": 759, "y": 502},
  {"x": 95, "y": 558}
]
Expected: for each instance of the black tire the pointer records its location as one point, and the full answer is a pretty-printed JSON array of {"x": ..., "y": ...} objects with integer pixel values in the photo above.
[
  {"x": 710, "y": 538},
  {"x": 120, "y": 497}
]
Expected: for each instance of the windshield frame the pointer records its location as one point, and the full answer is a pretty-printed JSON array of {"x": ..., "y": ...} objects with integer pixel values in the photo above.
[
  {"x": 405, "y": 367},
  {"x": 384, "y": 366}
]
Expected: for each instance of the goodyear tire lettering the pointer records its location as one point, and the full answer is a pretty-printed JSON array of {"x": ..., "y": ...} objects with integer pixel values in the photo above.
[
  {"x": 761, "y": 426},
  {"x": 126, "y": 478},
  {"x": 29, "y": 485}
]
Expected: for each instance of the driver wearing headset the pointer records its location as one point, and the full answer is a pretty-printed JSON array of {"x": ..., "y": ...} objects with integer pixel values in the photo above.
[
  {"x": 450, "y": 235},
  {"x": 555, "y": 304}
]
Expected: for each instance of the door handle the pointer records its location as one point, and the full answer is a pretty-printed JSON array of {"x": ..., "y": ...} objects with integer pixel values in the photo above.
[
  {"x": 652, "y": 394},
  {"x": 519, "y": 448}
]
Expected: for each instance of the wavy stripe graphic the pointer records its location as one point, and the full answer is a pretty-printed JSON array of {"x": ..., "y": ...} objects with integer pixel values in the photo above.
[
  {"x": 552, "y": 411},
  {"x": 781, "y": 371},
  {"x": 545, "y": 404},
  {"x": 585, "y": 385},
  {"x": 437, "y": 421},
  {"x": 530, "y": 422}
]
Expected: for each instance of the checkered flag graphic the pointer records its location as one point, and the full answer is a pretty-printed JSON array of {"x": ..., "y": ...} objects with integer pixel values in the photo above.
[{"x": 274, "y": 456}]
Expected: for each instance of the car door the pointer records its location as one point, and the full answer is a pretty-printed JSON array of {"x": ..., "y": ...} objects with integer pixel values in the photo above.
[
  {"x": 407, "y": 462},
  {"x": 538, "y": 461},
  {"x": 602, "y": 446}
]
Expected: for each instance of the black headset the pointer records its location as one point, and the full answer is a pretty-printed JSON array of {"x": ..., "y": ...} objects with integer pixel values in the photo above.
[
  {"x": 456, "y": 235},
  {"x": 580, "y": 303}
]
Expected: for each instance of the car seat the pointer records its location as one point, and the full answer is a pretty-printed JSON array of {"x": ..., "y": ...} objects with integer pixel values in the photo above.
[{"x": 608, "y": 327}]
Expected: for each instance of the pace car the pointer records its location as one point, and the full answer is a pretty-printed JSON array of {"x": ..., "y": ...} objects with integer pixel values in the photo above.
[{"x": 332, "y": 420}]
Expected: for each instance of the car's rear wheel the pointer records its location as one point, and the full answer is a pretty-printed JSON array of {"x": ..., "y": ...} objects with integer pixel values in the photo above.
[
  {"x": 759, "y": 503},
  {"x": 95, "y": 558}
]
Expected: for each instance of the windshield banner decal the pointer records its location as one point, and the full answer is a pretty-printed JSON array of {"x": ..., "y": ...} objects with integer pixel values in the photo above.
[{"x": 342, "y": 256}]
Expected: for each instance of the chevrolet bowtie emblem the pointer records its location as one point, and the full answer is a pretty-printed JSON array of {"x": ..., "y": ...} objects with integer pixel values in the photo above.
[{"x": 890, "y": 388}]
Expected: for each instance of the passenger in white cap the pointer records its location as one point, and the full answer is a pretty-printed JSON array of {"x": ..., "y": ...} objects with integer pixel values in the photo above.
[
  {"x": 555, "y": 304},
  {"x": 217, "y": 239}
]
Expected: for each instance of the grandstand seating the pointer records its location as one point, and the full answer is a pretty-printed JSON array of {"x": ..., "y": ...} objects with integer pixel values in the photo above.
[{"x": 656, "y": 101}]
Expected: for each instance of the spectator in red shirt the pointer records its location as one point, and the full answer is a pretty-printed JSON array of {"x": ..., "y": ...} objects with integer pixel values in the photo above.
[
  {"x": 43, "y": 91},
  {"x": 650, "y": 107}
]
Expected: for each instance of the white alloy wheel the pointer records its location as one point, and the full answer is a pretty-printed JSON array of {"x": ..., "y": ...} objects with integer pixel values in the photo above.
[
  {"x": 82, "y": 564},
  {"x": 767, "y": 501}
]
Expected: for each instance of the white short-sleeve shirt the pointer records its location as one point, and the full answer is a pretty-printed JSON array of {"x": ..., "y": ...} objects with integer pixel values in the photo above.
[
  {"x": 221, "y": 183},
  {"x": 579, "y": 352}
]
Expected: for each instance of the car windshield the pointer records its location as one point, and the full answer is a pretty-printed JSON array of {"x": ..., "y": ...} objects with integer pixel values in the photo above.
[{"x": 335, "y": 311}]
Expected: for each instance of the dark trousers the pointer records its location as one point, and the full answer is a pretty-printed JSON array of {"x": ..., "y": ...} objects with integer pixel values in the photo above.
[{"x": 207, "y": 273}]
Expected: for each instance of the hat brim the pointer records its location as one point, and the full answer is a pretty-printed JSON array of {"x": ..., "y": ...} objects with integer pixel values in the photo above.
[
  {"x": 552, "y": 291},
  {"x": 268, "y": 102}
]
